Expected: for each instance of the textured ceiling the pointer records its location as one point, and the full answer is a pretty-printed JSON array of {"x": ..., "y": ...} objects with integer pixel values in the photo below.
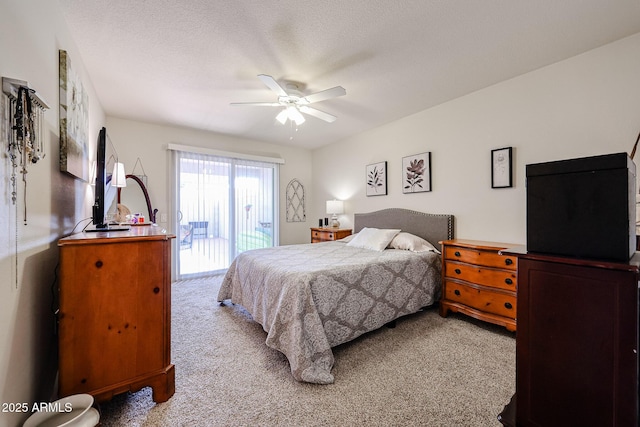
[{"x": 182, "y": 63}]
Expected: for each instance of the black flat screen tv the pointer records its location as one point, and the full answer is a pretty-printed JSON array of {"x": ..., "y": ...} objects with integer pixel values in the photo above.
[{"x": 104, "y": 194}]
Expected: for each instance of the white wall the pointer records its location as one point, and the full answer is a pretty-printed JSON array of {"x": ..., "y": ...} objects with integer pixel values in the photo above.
[
  {"x": 149, "y": 143},
  {"x": 31, "y": 33},
  {"x": 586, "y": 105}
]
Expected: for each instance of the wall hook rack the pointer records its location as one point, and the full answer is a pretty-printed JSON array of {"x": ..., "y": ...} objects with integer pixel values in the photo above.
[{"x": 22, "y": 126}]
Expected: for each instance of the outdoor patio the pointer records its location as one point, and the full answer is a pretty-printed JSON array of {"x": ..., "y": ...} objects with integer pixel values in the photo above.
[{"x": 203, "y": 255}]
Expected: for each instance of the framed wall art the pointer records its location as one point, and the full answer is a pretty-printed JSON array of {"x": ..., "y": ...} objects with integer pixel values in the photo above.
[
  {"x": 74, "y": 121},
  {"x": 377, "y": 179},
  {"x": 416, "y": 173},
  {"x": 501, "y": 168}
]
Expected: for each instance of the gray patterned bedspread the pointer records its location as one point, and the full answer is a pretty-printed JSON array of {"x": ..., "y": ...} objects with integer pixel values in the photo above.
[{"x": 311, "y": 297}]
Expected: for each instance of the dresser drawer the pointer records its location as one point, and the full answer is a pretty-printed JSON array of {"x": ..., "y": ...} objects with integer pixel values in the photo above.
[
  {"x": 499, "y": 303},
  {"x": 480, "y": 257},
  {"x": 328, "y": 234},
  {"x": 495, "y": 278},
  {"x": 322, "y": 235}
]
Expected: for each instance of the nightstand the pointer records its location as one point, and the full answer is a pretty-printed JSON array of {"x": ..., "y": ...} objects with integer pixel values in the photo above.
[
  {"x": 327, "y": 234},
  {"x": 478, "y": 281}
]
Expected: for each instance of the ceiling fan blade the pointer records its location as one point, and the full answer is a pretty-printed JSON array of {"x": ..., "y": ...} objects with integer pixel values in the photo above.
[
  {"x": 257, "y": 104},
  {"x": 322, "y": 95},
  {"x": 317, "y": 113},
  {"x": 272, "y": 84},
  {"x": 282, "y": 116}
]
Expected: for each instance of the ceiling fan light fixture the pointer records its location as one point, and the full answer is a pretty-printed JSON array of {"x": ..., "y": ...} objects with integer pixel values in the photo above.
[
  {"x": 295, "y": 115},
  {"x": 292, "y": 113},
  {"x": 282, "y": 116},
  {"x": 295, "y": 103}
]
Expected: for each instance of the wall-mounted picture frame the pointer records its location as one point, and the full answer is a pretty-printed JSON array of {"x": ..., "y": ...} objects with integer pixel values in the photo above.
[
  {"x": 501, "y": 168},
  {"x": 376, "y": 179},
  {"x": 416, "y": 173},
  {"x": 74, "y": 121}
]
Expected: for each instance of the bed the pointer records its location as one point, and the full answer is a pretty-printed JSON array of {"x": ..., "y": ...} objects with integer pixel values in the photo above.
[{"x": 312, "y": 297}]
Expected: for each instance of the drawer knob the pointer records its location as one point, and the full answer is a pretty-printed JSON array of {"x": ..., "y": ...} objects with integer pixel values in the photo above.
[
  {"x": 457, "y": 292},
  {"x": 99, "y": 264},
  {"x": 331, "y": 235},
  {"x": 508, "y": 305},
  {"x": 456, "y": 253},
  {"x": 508, "y": 261},
  {"x": 156, "y": 290},
  {"x": 457, "y": 270},
  {"x": 508, "y": 281}
]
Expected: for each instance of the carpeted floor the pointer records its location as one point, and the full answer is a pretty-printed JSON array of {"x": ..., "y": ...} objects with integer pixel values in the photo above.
[{"x": 428, "y": 371}]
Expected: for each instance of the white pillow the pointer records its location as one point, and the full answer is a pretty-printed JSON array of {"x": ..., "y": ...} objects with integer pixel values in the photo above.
[
  {"x": 411, "y": 242},
  {"x": 373, "y": 238}
]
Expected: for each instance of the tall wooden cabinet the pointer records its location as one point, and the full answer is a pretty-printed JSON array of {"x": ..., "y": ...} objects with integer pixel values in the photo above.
[
  {"x": 115, "y": 313},
  {"x": 577, "y": 342}
]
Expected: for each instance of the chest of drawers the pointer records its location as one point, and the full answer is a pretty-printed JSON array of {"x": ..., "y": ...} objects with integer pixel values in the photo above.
[
  {"x": 115, "y": 313},
  {"x": 478, "y": 281}
]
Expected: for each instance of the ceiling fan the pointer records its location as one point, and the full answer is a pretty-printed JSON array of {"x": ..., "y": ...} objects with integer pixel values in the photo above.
[{"x": 294, "y": 103}]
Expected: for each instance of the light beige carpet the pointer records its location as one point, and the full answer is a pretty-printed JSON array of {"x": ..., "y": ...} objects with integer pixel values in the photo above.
[{"x": 428, "y": 371}]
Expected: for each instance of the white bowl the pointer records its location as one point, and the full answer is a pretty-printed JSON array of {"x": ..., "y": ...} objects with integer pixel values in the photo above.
[{"x": 70, "y": 411}]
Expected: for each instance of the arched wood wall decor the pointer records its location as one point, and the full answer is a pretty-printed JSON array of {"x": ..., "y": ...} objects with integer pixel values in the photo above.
[{"x": 295, "y": 202}]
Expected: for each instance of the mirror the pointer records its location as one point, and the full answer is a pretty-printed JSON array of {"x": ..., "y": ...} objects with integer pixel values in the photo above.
[{"x": 136, "y": 198}]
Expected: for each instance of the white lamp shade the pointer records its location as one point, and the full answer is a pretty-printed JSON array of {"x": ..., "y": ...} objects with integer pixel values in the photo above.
[
  {"x": 335, "y": 207},
  {"x": 119, "y": 178},
  {"x": 290, "y": 113},
  {"x": 295, "y": 115}
]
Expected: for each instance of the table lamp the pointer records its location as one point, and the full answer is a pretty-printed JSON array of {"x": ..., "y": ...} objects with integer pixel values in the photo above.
[{"x": 335, "y": 207}]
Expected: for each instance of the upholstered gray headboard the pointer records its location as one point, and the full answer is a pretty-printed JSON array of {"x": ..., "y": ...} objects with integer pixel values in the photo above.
[{"x": 431, "y": 227}]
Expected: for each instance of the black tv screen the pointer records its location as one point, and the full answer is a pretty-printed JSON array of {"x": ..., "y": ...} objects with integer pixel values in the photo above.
[
  {"x": 102, "y": 189},
  {"x": 101, "y": 181}
]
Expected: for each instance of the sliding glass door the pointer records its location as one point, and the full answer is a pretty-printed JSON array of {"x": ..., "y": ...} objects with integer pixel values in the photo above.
[{"x": 225, "y": 206}]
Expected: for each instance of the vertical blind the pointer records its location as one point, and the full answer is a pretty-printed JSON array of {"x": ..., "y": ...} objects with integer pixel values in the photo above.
[{"x": 226, "y": 205}]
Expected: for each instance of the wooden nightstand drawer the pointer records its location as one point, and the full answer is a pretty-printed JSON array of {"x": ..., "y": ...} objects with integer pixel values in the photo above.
[
  {"x": 328, "y": 234},
  {"x": 491, "y": 277},
  {"x": 481, "y": 257},
  {"x": 502, "y": 304},
  {"x": 323, "y": 235}
]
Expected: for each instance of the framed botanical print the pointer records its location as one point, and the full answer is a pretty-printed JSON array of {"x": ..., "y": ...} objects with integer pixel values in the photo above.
[
  {"x": 377, "y": 179},
  {"x": 74, "y": 121},
  {"x": 501, "y": 168},
  {"x": 416, "y": 173}
]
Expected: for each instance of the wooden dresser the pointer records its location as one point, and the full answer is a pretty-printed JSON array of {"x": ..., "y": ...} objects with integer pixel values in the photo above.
[
  {"x": 577, "y": 342},
  {"x": 478, "y": 281},
  {"x": 329, "y": 233},
  {"x": 115, "y": 313}
]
